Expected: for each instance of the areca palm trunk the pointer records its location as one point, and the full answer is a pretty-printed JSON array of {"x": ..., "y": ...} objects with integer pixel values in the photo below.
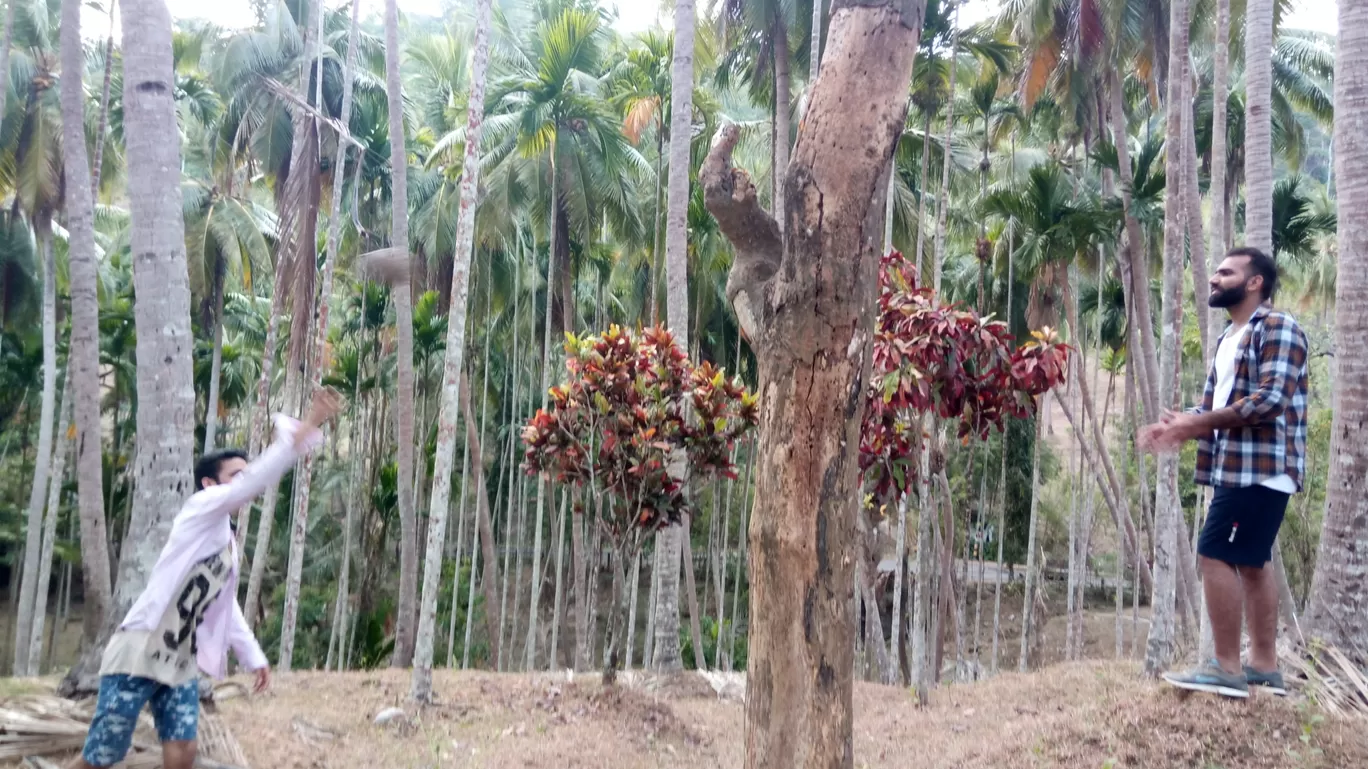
[
  {"x": 1258, "y": 136},
  {"x": 1168, "y": 521},
  {"x": 83, "y": 360},
  {"x": 1134, "y": 264},
  {"x": 405, "y": 625},
  {"x": 484, "y": 526},
  {"x": 1192, "y": 203},
  {"x": 454, "y": 364},
  {"x": 1220, "y": 89},
  {"x": 54, "y": 498},
  {"x": 1337, "y": 612},
  {"x": 1032, "y": 579},
  {"x": 102, "y": 128},
  {"x": 33, "y": 540},
  {"x": 162, "y": 469},
  {"x": 211, "y": 408},
  {"x": 783, "y": 90},
  {"x": 670, "y": 541}
]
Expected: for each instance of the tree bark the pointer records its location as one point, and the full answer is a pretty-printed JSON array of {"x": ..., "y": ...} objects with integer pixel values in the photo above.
[
  {"x": 405, "y": 626},
  {"x": 83, "y": 361},
  {"x": 453, "y": 369},
  {"x": 806, "y": 304},
  {"x": 1258, "y": 133},
  {"x": 1168, "y": 524},
  {"x": 162, "y": 467},
  {"x": 691, "y": 588},
  {"x": 1192, "y": 202},
  {"x": 1338, "y": 613},
  {"x": 33, "y": 538}
]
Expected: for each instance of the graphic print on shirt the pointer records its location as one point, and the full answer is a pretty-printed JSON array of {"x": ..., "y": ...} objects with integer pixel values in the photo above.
[{"x": 176, "y": 643}]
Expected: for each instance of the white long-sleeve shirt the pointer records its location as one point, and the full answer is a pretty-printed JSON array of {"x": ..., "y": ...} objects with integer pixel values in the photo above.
[{"x": 202, "y": 530}]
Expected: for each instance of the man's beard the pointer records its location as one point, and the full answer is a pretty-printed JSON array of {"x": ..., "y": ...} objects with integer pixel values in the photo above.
[{"x": 1228, "y": 297}]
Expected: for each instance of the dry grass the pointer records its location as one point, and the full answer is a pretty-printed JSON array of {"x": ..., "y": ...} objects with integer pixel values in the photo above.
[
  {"x": 1089, "y": 715},
  {"x": 1086, "y": 715}
]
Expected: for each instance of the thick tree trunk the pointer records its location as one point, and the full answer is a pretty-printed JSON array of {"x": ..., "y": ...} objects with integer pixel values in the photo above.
[
  {"x": 806, "y": 303},
  {"x": 1258, "y": 125},
  {"x": 405, "y": 626},
  {"x": 1338, "y": 612},
  {"x": 162, "y": 467},
  {"x": 453, "y": 371},
  {"x": 1168, "y": 524},
  {"x": 33, "y": 539},
  {"x": 83, "y": 361}
]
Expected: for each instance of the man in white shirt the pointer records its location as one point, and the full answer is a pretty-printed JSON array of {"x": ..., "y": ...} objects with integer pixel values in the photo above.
[{"x": 188, "y": 616}]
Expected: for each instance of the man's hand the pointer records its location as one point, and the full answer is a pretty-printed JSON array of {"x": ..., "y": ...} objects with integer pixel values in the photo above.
[
  {"x": 263, "y": 680},
  {"x": 1170, "y": 433},
  {"x": 327, "y": 403}
]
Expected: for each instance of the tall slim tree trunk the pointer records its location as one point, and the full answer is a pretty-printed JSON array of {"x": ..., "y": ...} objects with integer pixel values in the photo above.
[
  {"x": 211, "y": 403},
  {"x": 943, "y": 203},
  {"x": 162, "y": 467},
  {"x": 1134, "y": 264},
  {"x": 453, "y": 366},
  {"x": 102, "y": 128},
  {"x": 1220, "y": 89},
  {"x": 783, "y": 97},
  {"x": 1032, "y": 581},
  {"x": 921, "y": 182},
  {"x": 1192, "y": 203},
  {"x": 54, "y": 499},
  {"x": 1338, "y": 612},
  {"x": 489, "y": 579},
  {"x": 33, "y": 540},
  {"x": 1258, "y": 133},
  {"x": 691, "y": 589},
  {"x": 815, "y": 45},
  {"x": 405, "y": 626},
  {"x": 1168, "y": 511},
  {"x": 820, "y": 304},
  {"x": 1001, "y": 531},
  {"x": 671, "y": 540},
  {"x": 83, "y": 360},
  {"x": 5, "y": 50}
]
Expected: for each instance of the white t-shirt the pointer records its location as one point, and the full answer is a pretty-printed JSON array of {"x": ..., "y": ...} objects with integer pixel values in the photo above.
[
  {"x": 1227, "y": 356},
  {"x": 167, "y": 653}
]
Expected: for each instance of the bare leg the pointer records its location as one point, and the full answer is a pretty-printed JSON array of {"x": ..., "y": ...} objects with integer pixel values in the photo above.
[
  {"x": 1221, "y": 584},
  {"x": 1261, "y": 607},
  {"x": 178, "y": 754}
]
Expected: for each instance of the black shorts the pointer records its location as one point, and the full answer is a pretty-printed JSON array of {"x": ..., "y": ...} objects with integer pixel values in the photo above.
[{"x": 1242, "y": 525}]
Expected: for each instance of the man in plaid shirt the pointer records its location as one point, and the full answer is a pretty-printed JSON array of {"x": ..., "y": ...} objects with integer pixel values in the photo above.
[{"x": 1251, "y": 447}]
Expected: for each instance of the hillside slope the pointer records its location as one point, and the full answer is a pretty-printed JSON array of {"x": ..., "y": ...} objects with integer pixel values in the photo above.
[{"x": 1085, "y": 715}]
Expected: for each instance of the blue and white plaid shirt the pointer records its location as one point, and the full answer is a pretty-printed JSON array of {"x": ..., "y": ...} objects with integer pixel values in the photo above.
[{"x": 1270, "y": 394}]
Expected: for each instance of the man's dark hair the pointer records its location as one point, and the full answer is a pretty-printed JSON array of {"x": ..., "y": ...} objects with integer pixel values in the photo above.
[
  {"x": 209, "y": 464},
  {"x": 1260, "y": 264}
]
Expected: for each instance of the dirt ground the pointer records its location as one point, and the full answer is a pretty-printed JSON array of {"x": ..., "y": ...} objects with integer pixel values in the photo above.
[{"x": 1092, "y": 714}]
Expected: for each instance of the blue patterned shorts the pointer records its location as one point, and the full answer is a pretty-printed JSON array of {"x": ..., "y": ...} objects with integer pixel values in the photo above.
[{"x": 175, "y": 710}]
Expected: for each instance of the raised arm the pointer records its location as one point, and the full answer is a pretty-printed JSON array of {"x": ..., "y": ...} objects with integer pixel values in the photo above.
[{"x": 293, "y": 439}]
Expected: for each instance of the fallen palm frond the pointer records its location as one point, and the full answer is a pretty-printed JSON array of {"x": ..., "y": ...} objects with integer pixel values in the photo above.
[
  {"x": 45, "y": 726},
  {"x": 1328, "y": 677}
]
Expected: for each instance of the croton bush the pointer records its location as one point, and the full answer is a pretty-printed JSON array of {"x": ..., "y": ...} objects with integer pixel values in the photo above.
[
  {"x": 631, "y": 405},
  {"x": 947, "y": 360}
]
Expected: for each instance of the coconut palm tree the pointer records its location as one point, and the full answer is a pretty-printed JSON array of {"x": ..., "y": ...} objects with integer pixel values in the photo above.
[
  {"x": 83, "y": 360},
  {"x": 165, "y": 434}
]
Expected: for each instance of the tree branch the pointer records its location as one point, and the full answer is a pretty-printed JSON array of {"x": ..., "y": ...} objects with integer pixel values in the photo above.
[{"x": 730, "y": 196}]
